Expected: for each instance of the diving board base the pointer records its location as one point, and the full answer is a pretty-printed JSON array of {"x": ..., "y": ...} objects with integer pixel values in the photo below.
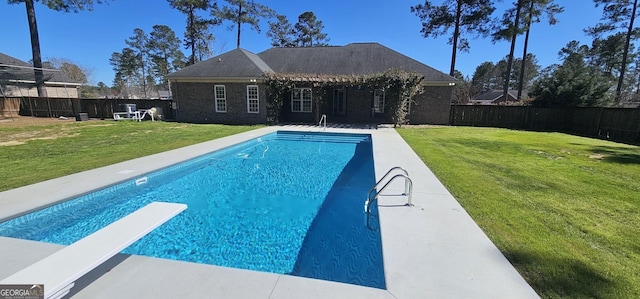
[{"x": 58, "y": 271}]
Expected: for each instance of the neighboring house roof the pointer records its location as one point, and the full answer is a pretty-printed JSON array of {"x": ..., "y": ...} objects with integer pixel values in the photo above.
[
  {"x": 352, "y": 59},
  {"x": 164, "y": 94},
  {"x": 14, "y": 69},
  {"x": 492, "y": 96}
]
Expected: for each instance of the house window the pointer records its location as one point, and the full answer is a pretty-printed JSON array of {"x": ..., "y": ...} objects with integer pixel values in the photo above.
[
  {"x": 301, "y": 100},
  {"x": 378, "y": 100},
  {"x": 252, "y": 99},
  {"x": 221, "y": 98}
]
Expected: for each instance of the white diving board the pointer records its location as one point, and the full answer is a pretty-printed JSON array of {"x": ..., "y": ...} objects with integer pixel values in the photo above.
[{"x": 59, "y": 271}]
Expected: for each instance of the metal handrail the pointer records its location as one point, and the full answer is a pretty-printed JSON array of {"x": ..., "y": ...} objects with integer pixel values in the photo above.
[
  {"x": 385, "y": 176},
  {"x": 407, "y": 191},
  {"x": 408, "y": 187},
  {"x": 323, "y": 117}
]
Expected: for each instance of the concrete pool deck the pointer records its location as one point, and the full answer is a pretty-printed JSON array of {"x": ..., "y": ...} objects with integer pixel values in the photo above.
[{"x": 431, "y": 250}]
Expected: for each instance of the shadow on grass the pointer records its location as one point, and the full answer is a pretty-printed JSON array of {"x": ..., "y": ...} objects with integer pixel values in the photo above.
[
  {"x": 614, "y": 154},
  {"x": 553, "y": 277}
]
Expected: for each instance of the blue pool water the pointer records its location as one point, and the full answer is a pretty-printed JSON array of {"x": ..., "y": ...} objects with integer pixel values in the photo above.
[{"x": 287, "y": 202}]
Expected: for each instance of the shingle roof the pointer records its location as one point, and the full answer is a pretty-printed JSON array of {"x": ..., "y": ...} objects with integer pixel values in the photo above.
[
  {"x": 494, "y": 95},
  {"x": 12, "y": 68},
  {"x": 8, "y": 60},
  {"x": 352, "y": 59},
  {"x": 237, "y": 63}
]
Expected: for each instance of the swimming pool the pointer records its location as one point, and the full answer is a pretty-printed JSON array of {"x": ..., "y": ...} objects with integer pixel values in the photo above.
[{"x": 284, "y": 203}]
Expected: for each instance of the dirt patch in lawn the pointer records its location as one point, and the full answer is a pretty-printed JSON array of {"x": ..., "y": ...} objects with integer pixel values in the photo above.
[
  {"x": 28, "y": 121},
  {"x": 34, "y": 133}
]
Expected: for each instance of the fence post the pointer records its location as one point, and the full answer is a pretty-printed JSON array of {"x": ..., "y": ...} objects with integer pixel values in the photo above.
[
  {"x": 597, "y": 133},
  {"x": 638, "y": 131},
  {"x": 452, "y": 115},
  {"x": 526, "y": 118},
  {"x": 30, "y": 106}
]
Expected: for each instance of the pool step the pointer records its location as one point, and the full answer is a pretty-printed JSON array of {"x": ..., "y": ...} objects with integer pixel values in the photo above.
[{"x": 322, "y": 137}]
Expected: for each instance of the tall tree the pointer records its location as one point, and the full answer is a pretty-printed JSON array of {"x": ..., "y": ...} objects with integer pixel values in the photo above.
[
  {"x": 510, "y": 29},
  {"x": 618, "y": 15},
  {"x": 164, "y": 49},
  {"x": 242, "y": 12},
  {"x": 309, "y": 31},
  {"x": 57, "y": 5},
  {"x": 462, "y": 90},
  {"x": 71, "y": 70},
  {"x": 489, "y": 76},
  {"x": 533, "y": 14},
  {"x": 606, "y": 53},
  {"x": 463, "y": 16},
  {"x": 281, "y": 32},
  {"x": 196, "y": 35},
  {"x": 573, "y": 83},
  {"x": 126, "y": 65},
  {"x": 484, "y": 78},
  {"x": 138, "y": 43}
]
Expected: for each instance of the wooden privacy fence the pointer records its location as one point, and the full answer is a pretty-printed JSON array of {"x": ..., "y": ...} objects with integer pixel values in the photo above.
[
  {"x": 95, "y": 108},
  {"x": 618, "y": 124},
  {"x": 101, "y": 108},
  {"x": 9, "y": 107}
]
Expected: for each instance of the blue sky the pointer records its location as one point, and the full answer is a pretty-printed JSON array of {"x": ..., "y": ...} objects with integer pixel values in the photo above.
[{"x": 89, "y": 37}]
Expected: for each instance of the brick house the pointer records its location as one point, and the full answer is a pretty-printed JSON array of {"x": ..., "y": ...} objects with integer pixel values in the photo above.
[{"x": 229, "y": 88}]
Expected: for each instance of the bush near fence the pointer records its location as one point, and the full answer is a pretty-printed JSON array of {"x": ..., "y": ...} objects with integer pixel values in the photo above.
[
  {"x": 95, "y": 108},
  {"x": 617, "y": 124}
]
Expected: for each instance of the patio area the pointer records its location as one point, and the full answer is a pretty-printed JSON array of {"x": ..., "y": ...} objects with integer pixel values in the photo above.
[{"x": 431, "y": 250}]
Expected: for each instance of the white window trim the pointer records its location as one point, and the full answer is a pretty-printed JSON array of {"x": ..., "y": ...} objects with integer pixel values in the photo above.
[
  {"x": 301, "y": 100},
  {"x": 215, "y": 95},
  {"x": 257, "y": 99},
  {"x": 380, "y": 108}
]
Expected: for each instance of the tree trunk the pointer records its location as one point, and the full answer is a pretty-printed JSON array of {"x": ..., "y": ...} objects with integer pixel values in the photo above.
[
  {"x": 239, "y": 20},
  {"x": 192, "y": 35},
  {"x": 626, "y": 52},
  {"x": 456, "y": 34},
  {"x": 35, "y": 49},
  {"x": 516, "y": 24},
  {"x": 524, "y": 53}
]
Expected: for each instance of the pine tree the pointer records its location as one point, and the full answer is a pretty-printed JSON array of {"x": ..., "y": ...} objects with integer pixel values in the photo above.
[
  {"x": 281, "y": 33},
  {"x": 242, "y": 12},
  {"x": 57, "y": 5},
  {"x": 618, "y": 15},
  {"x": 309, "y": 31},
  {"x": 463, "y": 16},
  {"x": 196, "y": 35}
]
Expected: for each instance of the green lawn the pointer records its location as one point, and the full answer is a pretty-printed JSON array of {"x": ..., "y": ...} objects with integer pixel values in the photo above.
[
  {"x": 564, "y": 210},
  {"x": 56, "y": 150}
]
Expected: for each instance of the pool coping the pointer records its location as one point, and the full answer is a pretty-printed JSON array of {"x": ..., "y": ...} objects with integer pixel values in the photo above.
[{"x": 433, "y": 249}]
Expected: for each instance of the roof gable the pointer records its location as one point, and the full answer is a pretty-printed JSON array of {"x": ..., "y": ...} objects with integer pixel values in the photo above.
[{"x": 238, "y": 63}]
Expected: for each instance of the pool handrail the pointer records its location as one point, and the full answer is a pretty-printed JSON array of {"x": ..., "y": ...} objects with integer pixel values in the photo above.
[
  {"x": 408, "y": 188},
  {"x": 59, "y": 271},
  {"x": 323, "y": 119}
]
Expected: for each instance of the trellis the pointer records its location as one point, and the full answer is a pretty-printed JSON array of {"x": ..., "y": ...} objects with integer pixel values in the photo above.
[{"x": 401, "y": 87}]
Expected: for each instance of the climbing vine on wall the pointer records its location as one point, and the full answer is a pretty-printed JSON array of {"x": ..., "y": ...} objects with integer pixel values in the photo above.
[{"x": 400, "y": 87}]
